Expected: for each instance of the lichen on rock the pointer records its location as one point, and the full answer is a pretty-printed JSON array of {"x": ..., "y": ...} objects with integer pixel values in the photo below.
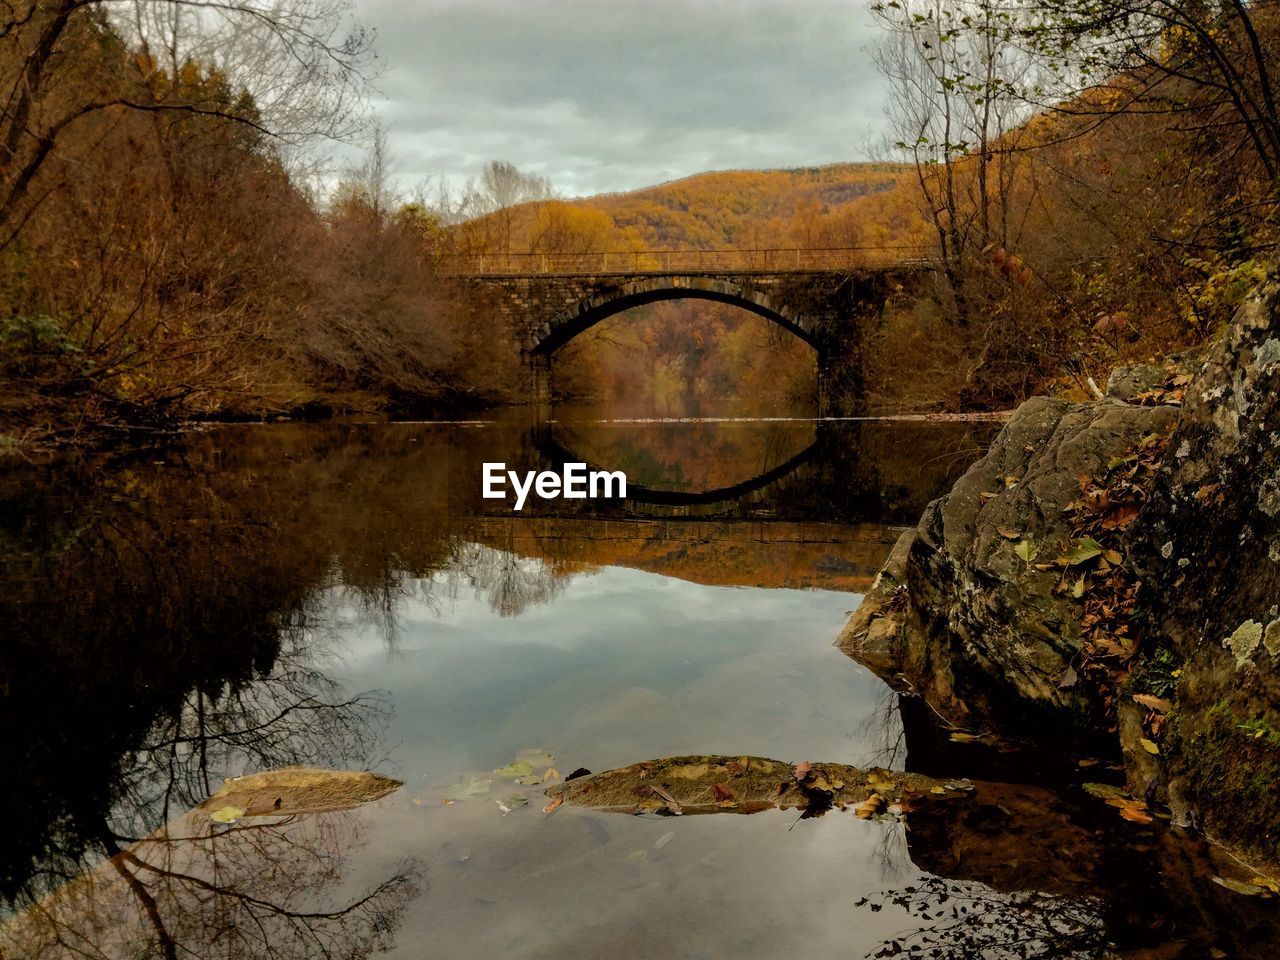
[{"x": 1244, "y": 641}]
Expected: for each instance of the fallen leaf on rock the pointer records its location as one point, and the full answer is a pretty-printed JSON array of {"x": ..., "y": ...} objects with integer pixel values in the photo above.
[
  {"x": 869, "y": 807},
  {"x": 1124, "y": 800},
  {"x": 1150, "y": 746},
  {"x": 821, "y": 784},
  {"x": 227, "y": 814},
  {"x": 1083, "y": 550},
  {"x": 1239, "y": 886},
  {"x": 1120, "y": 518},
  {"x": 1068, "y": 678},
  {"x": 1135, "y": 814},
  {"x": 960, "y": 736},
  {"x": 554, "y": 804},
  {"x": 1159, "y": 704},
  {"x": 1026, "y": 550}
]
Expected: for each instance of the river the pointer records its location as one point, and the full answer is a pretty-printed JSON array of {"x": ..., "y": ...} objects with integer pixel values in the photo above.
[{"x": 340, "y": 595}]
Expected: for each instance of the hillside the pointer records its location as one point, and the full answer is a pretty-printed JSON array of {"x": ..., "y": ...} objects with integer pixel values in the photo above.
[
  {"x": 840, "y": 205},
  {"x": 851, "y": 203}
]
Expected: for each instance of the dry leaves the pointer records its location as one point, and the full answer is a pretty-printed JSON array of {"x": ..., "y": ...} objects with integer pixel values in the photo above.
[{"x": 869, "y": 807}]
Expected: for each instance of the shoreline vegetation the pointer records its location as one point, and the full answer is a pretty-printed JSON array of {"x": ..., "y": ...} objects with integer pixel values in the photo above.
[{"x": 1091, "y": 194}]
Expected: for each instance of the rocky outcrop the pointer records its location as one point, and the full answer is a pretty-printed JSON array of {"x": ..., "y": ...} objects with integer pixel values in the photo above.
[
  {"x": 1209, "y": 547},
  {"x": 972, "y": 612},
  {"x": 1147, "y": 382}
]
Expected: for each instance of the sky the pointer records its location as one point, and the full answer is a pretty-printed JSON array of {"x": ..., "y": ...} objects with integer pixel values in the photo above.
[{"x": 615, "y": 95}]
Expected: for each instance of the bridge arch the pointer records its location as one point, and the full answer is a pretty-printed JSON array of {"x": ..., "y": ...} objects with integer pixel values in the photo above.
[
  {"x": 826, "y": 308},
  {"x": 605, "y": 303}
]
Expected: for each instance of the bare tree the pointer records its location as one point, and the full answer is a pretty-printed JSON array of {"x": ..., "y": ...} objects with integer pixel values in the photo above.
[
  {"x": 956, "y": 77},
  {"x": 501, "y": 188},
  {"x": 297, "y": 69}
]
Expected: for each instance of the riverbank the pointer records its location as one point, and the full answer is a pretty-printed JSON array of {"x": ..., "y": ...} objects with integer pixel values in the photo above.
[{"x": 1109, "y": 574}]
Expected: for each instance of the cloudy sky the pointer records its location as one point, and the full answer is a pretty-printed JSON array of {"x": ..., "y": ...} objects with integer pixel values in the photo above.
[{"x": 603, "y": 95}]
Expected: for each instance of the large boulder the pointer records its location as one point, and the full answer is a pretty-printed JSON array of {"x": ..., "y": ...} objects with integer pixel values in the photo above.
[{"x": 970, "y": 611}]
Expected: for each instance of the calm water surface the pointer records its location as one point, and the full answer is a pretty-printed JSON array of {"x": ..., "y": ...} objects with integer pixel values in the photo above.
[{"x": 339, "y": 595}]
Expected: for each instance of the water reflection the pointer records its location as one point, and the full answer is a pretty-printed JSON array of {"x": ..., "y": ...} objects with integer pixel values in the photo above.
[
  {"x": 256, "y": 890},
  {"x": 339, "y": 595}
]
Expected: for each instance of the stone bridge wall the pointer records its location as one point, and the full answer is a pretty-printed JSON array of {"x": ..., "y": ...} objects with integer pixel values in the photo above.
[{"x": 828, "y": 309}]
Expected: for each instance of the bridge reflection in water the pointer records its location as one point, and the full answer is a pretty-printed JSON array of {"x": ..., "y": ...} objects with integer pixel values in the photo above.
[{"x": 782, "y": 503}]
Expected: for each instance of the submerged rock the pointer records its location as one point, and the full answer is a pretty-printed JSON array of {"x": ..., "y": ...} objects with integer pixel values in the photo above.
[
  {"x": 720, "y": 784},
  {"x": 295, "y": 790},
  {"x": 1038, "y": 853}
]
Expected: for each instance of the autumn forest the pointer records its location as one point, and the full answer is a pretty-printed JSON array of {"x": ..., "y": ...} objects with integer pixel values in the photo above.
[{"x": 1089, "y": 189}]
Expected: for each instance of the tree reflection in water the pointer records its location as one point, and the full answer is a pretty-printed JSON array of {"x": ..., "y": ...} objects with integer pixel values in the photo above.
[
  {"x": 190, "y": 887},
  {"x": 166, "y": 630},
  {"x": 966, "y": 919},
  {"x": 251, "y": 890},
  {"x": 509, "y": 583},
  {"x": 171, "y": 625}
]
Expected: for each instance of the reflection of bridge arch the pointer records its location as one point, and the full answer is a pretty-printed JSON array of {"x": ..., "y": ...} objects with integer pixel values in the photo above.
[
  {"x": 603, "y": 304},
  {"x": 557, "y": 454}
]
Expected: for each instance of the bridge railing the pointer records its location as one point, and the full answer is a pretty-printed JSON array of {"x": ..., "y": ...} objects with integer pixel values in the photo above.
[{"x": 679, "y": 261}]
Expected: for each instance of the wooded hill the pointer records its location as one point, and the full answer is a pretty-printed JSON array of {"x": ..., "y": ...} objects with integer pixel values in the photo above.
[{"x": 840, "y": 205}]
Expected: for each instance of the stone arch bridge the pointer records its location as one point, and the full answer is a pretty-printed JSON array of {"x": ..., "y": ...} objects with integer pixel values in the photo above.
[{"x": 828, "y": 308}]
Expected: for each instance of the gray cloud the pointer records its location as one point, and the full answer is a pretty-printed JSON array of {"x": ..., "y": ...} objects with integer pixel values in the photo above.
[{"x": 617, "y": 95}]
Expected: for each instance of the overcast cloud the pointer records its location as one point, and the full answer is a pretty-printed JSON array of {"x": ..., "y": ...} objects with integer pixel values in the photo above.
[{"x": 620, "y": 94}]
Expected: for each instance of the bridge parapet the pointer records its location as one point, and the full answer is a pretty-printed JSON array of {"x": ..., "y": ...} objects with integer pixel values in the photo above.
[{"x": 733, "y": 260}]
